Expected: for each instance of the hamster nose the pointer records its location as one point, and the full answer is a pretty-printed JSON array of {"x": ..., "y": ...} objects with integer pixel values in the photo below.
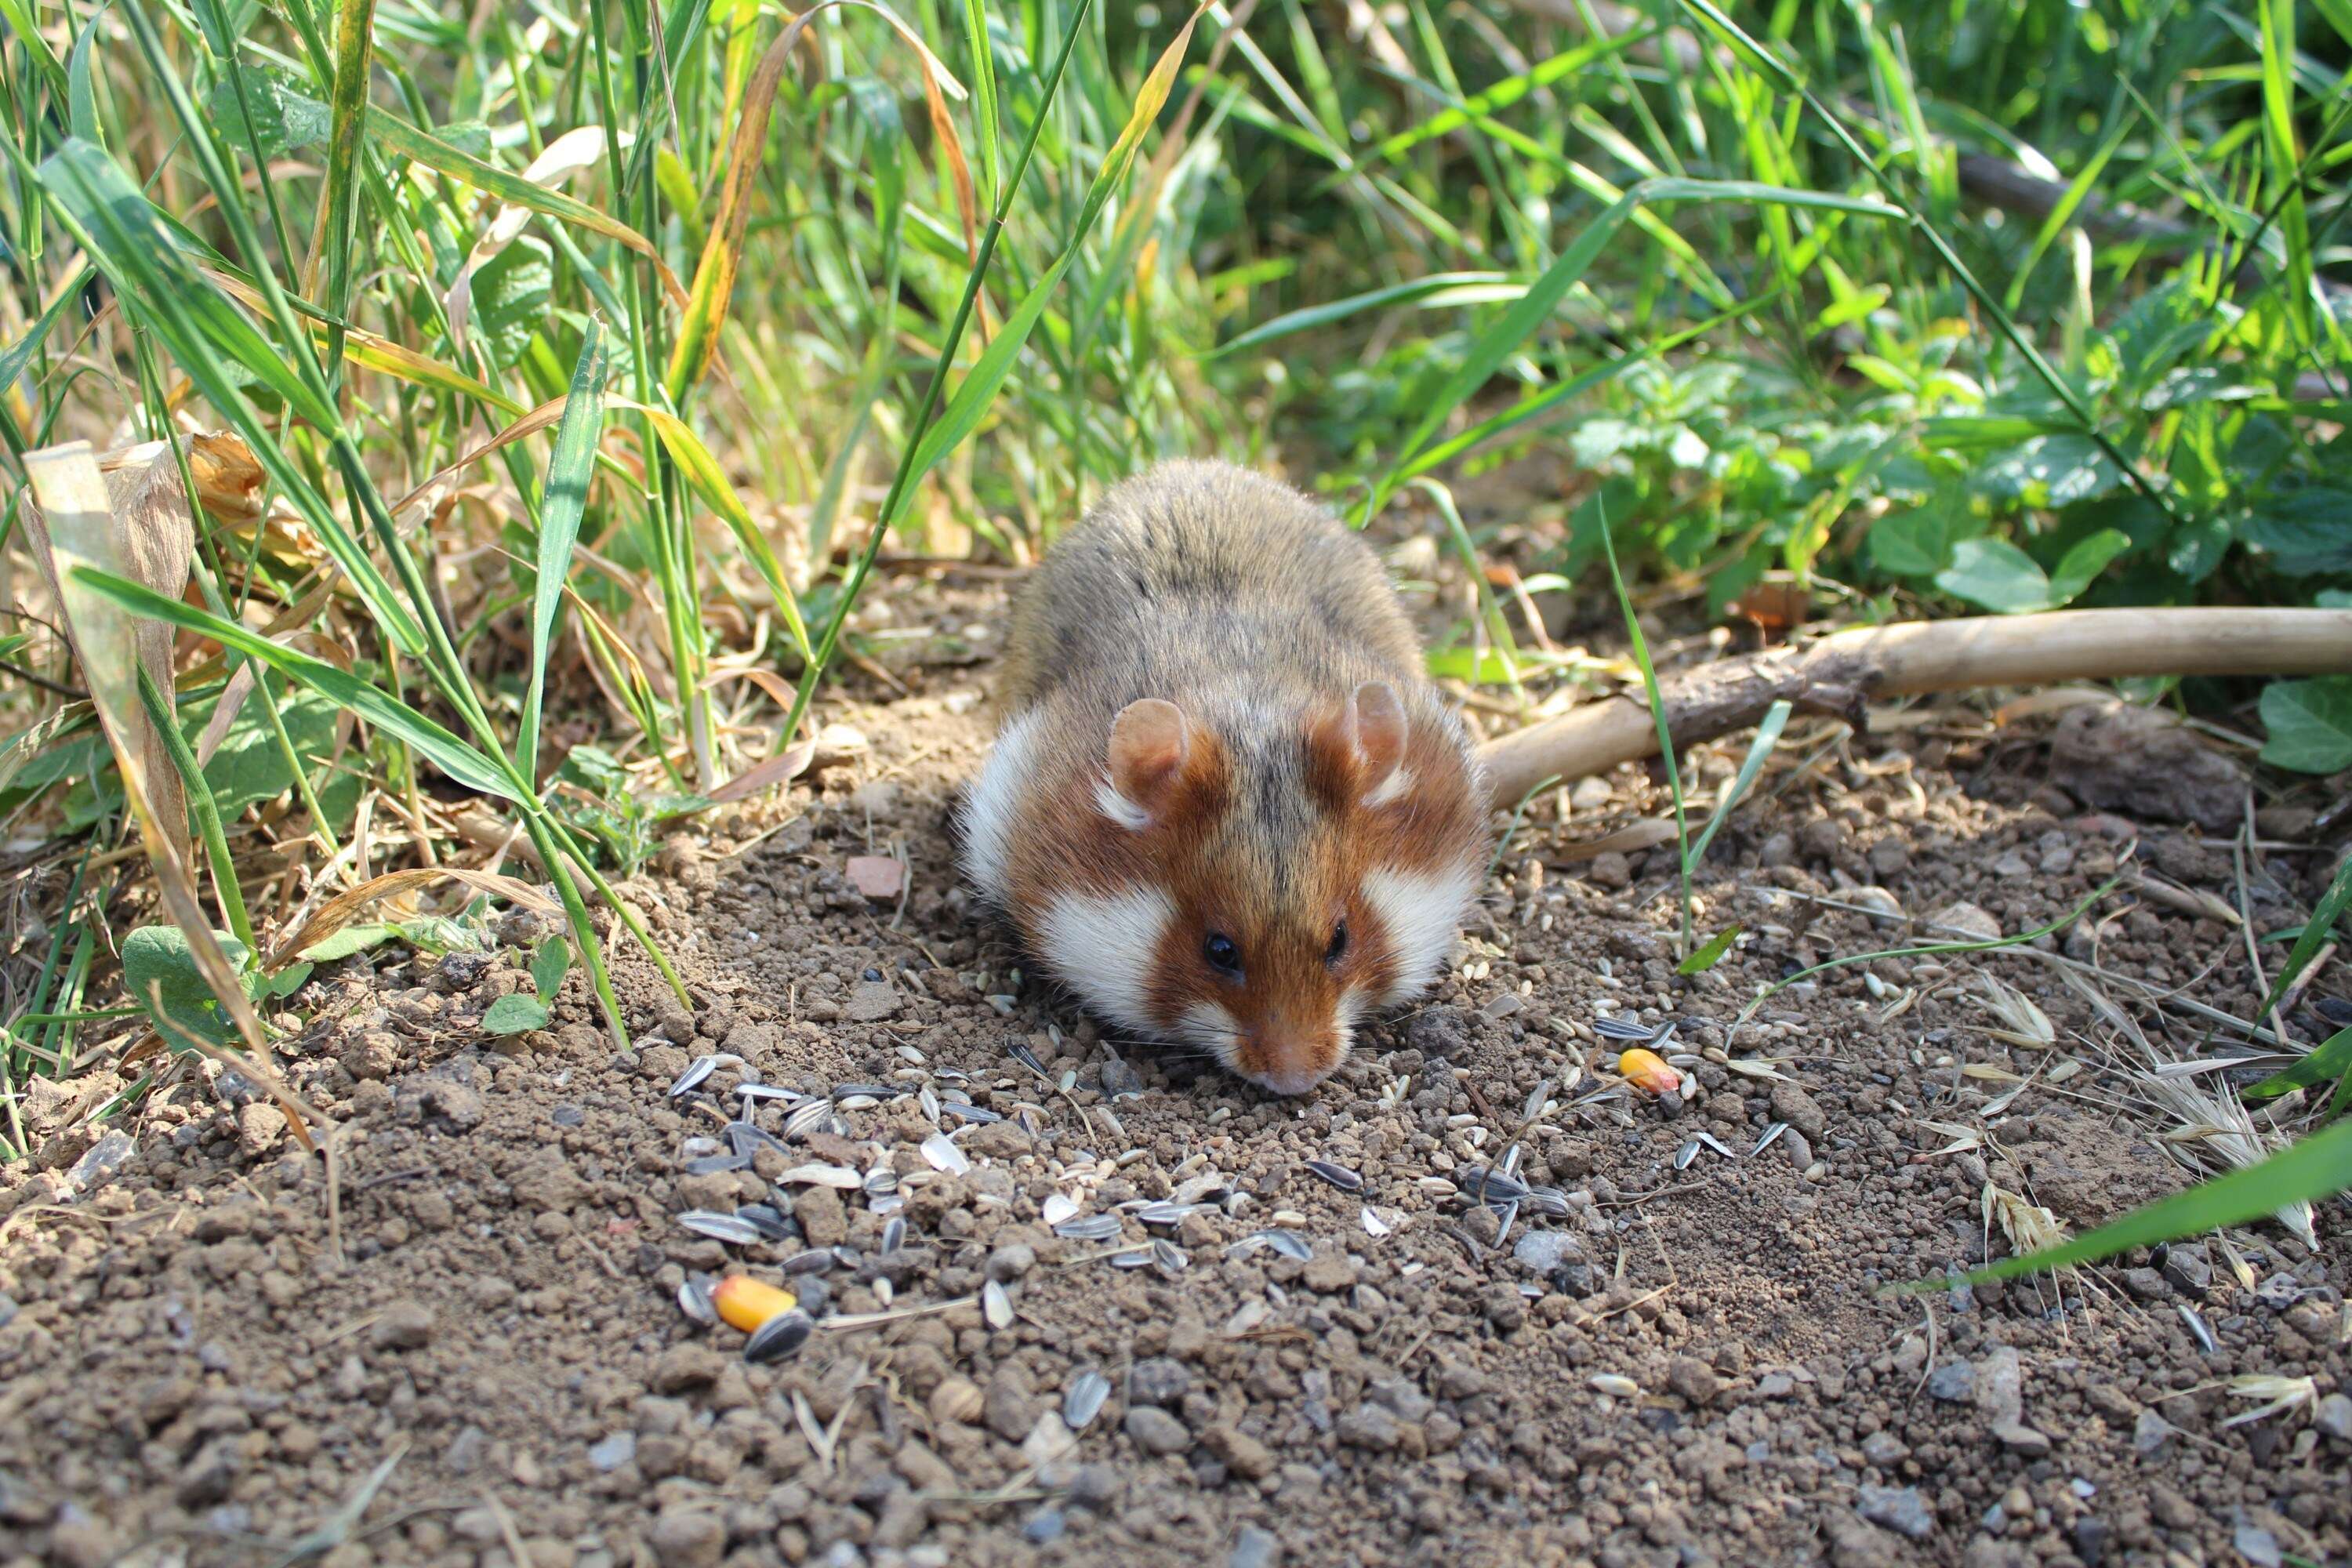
[{"x": 1290, "y": 1080}]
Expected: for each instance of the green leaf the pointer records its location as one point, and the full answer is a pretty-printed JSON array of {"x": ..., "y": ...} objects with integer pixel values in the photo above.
[
  {"x": 514, "y": 1015},
  {"x": 1996, "y": 574},
  {"x": 286, "y": 982},
  {"x": 2304, "y": 1173},
  {"x": 452, "y": 755},
  {"x": 570, "y": 465},
  {"x": 1437, "y": 288},
  {"x": 249, "y": 767},
  {"x": 548, "y": 967},
  {"x": 1707, "y": 957},
  {"x": 2085, "y": 561},
  {"x": 2331, "y": 907},
  {"x": 511, "y": 292},
  {"x": 1768, "y": 736},
  {"x": 2310, "y": 723},
  {"x": 2050, "y": 470},
  {"x": 1918, "y": 543},
  {"x": 355, "y": 937},
  {"x": 159, "y": 970},
  {"x": 283, "y": 118},
  {"x": 2331, "y": 1061},
  {"x": 2306, "y": 533}
]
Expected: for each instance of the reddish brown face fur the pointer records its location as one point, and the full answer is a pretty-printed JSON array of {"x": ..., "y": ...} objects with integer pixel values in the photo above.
[{"x": 1271, "y": 949}]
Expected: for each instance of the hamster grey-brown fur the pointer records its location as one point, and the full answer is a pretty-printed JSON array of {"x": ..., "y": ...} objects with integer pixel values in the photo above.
[{"x": 1225, "y": 806}]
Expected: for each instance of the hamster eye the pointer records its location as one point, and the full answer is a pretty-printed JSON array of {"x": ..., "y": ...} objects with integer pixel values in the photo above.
[
  {"x": 1338, "y": 947},
  {"x": 1222, "y": 954}
]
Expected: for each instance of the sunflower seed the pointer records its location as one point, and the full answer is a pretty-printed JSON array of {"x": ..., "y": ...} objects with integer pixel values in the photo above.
[
  {"x": 1164, "y": 1212},
  {"x": 842, "y": 1091},
  {"x": 2203, "y": 1335},
  {"x": 1547, "y": 1200},
  {"x": 880, "y": 1181},
  {"x": 941, "y": 1152},
  {"x": 723, "y": 1227},
  {"x": 1534, "y": 1106},
  {"x": 695, "y": 1147},
  {"x": 1685, "y": 1155},
  {"x": 1373, "y": 1224},
  {"x": 767, "y": 1219},
  {"x": 1712, "y": 1141},
  {"x": 689, "y": 1080},
  {"x": 780, "y": 1336},
  {"x": 748, "y": 1090},
  {"x": 1140, "y": 1258},
  {"x": 1059, "y": 1209},
  {"x": 839, "y": 1177},
  {"x": 1491, "y": 1187},
  {"x": 1092, "y": 1227},
  {"x": 887, "y": 1205},
  {"x": 995, "y": 1306},
  {"x": 805, "y": 1116},
  {"x": 747, "y": 1140},
  {"x": 815, "y": 1260},
  {"x": 854, "y": 1101},
  {"x": 969, "y": 1112},
  {"x": 1610, "y": 1382},
  {"x": 711, "y": 1164},
  {"x": 1339, "y": 1176},
  {"x": 694, "y": 1300},
  {"x": 1772, "y": 1136},
  {"x": 1612, "y": 1028},
  {"x": 1027, "y": 1058},
  {"x": 1171, "y": 1257},
  {"x": 894, "y": 1234},
  {"x": 1083, "y": 1400},
  {"x": 1288, "y": 1243},
  {"x": 928, "y": 1103}
]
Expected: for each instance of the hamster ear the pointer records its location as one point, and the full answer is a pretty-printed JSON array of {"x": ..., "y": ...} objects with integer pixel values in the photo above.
[
  {"x": 1376, "y": 727},
  {"x": 1149, "y": 743}
]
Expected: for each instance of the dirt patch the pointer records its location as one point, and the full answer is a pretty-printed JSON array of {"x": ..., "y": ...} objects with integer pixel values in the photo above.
[{"x": 1692, "y": 1363}]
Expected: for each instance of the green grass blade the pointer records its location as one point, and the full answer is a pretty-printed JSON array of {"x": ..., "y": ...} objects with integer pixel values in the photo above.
[
  {"x": 1657, "y": 702},
  {"x": 570, "y": 465},
  {"x": 354, "y": 24},
  {"x": 704, "y": 475},
  {"x": 2330, "y": 908},
  {"x": 2330, "y": 1061},
  {"x": 1768, "y": 736},
  {"x": 447, "y": 752},
  {"x": 1432, "y": 288},
  {"x": 203, "y": 811},
  {"x": 2306, "y": 1171}
]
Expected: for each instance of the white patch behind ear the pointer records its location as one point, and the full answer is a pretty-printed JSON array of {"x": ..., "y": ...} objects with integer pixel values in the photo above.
[
  {"x": 1422, "y": 912},
  {"x": 1105, "y": 946},
  {"x": 1119, "y": 808},
  {"x": 1391, "y": 788},
  {"x": 990, "y": 804}
]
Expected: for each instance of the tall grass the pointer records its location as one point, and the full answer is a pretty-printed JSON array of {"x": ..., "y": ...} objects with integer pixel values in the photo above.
[{"x": 594, "y": 354}]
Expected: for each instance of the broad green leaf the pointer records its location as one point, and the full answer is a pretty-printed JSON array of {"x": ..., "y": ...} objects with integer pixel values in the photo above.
[
  {"x": 452, "y": 755},
  {"x": 511, "y": 293},
  {"x": 1918, "y": 543},
  {"x": 1997, "y": 575},
  {"x": 570, "y": 465},
  {"x": 1708, "y": 956},
  {"x": 514, "y": 1015},
  {"x": 158, "y": 967},
  {"x": 249, "y": 766},
  {"x": 2085, "y": 561},
  {"x": 2305, "y": 533},
  {"x": 549, "y": 964},
  {"x": 357, "y": 937},
  {"x": 283, "y": 118},
  {"x": 2049, "y": 470},
  {"x": 2306, "y": 1172},
  {"x": 2310, "y": 723}
]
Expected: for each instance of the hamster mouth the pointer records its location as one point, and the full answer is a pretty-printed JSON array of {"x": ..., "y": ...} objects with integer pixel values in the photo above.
[{"x": 1209, "y": 1025}]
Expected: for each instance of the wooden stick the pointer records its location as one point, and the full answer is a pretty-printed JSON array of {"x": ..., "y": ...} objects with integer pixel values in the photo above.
[{"x": 1840, "y": 672}]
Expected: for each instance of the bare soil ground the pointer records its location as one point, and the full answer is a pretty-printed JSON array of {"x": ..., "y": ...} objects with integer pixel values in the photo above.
[{"x": 1696, "y": 1366}]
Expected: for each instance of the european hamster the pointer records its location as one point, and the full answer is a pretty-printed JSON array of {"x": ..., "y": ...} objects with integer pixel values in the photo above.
[{"x": 1225, "y": 806}]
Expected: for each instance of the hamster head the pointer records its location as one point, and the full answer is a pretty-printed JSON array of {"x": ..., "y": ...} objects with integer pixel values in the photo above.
[{"x": 1272, "y": 881}]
